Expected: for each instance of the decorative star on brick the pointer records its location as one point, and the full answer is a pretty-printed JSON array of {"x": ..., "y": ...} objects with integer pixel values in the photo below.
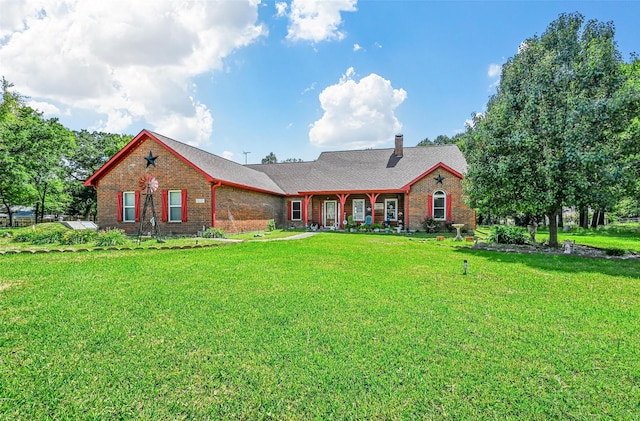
[
  {"x": 151, "y": 160},
  {"x": 439, "y": 179}
]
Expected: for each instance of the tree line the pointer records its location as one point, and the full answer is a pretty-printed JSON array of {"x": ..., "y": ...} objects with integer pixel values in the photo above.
[{"x": 43, "y": 165}]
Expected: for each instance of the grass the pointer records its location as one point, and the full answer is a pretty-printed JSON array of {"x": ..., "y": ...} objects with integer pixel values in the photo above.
[
  {"x": 52, "y": 229},
  {"x": 334, "y": 326}
]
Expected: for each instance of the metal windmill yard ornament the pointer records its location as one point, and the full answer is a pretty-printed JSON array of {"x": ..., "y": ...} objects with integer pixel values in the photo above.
[{"x": 148, "y": 227}]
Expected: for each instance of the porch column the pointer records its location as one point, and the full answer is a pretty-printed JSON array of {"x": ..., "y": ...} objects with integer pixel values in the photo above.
[
  {"x": 406, "y": 210},
  {"x": 213, "y": 202},
  {"x": 307, "y": 200},
  {"x": 372, "y": 198},
  {"x": 343, "y": 200}
]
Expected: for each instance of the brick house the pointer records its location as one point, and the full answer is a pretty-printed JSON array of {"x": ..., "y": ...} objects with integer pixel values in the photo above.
[{"x": 396, "y": 186}]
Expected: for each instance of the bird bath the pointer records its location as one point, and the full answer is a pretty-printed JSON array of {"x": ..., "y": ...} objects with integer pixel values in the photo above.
[{"x": 458, "y": 227}]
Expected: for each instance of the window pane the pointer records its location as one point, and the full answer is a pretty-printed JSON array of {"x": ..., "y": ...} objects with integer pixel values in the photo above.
[
  {"x": 296, "y": 210},
  {"x": 438, "y": 213},
  {"x": 438, "y": 202},
  {"x": 175, "y": 214},
  {"x": 129, "y": 199},
  {"x": 358, "y": 209},
  {"x": 175, "y": 198},
  {"x": 129, "y": 214}
]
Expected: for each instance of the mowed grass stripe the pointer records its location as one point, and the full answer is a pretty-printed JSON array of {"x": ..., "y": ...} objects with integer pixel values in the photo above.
[{"x": 331, "y": 327}]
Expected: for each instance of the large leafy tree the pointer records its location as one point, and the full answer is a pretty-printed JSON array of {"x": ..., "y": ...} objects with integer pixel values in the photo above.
[
  {"x": 549, "y": 135},
  {"x": 15, "y": 189},
  {"x": 31, "y": 156},
  {"x": 93, "y": 150}
]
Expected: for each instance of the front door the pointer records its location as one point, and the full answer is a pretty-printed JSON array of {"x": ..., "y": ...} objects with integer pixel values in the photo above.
[{"x": 330, "y": 213}]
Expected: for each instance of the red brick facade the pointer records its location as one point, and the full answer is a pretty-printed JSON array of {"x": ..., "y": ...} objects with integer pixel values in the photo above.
[
  {"x": 237, "y": 210},
  {"x": 238, "y": 206}
]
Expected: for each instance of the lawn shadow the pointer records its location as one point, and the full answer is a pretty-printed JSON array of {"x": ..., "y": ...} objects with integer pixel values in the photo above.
[{"x": 560, "y": 262}]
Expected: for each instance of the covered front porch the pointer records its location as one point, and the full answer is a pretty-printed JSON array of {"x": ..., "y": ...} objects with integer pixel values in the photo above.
[{"x": 334, "y": 210}]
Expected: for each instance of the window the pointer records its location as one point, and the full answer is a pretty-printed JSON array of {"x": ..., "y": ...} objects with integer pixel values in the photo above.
[
  {"x": 296, "y": 210},
  {"x": 175, "y": 206},
  {"x": 439, "y": 205},
  {"x": 358, "y": 209},
  {"x": 128, "y": 206},
  {"x": 391, "y": 209}
]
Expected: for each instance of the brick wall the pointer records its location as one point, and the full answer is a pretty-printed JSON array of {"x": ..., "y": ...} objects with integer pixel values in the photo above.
[
  {"x": 451, "y": 185},
  {"x": 172, "y": 174},
  {"x": 240, "y": 210}
]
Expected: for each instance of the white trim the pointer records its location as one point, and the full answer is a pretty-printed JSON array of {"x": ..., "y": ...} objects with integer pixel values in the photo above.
[
  {"x": 125, "y": 206},
  {"x": 174, "y": 206},
  {"x": 336, "y": 222},
  {"x": 395, "y": 209},
  {"x": 439, "y": 195},
  {"x": 293, "y": 218},
  {"x": 355, "y": 216}
]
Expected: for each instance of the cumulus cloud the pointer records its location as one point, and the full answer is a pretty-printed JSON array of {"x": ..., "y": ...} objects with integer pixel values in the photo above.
[
  {"x": 317, "y": 20},
  {"x": 357, "y": 47},
  {"x": 127, "y": 64},
  {"x": 228, "y": 155},
  {"x": 494, "y": 70},
  {"x": 357, "y": 114},
  {"x": 46, "y": 108}
]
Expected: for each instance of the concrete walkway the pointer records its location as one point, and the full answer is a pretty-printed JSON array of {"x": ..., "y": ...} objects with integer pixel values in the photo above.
[{"x": 295, "y": 237}]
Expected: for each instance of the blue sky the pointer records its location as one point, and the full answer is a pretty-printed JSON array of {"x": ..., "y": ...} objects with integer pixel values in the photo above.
[{"x": 292, "y": 77}]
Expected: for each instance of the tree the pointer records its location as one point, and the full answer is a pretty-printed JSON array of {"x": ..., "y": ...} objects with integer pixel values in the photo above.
[
  {"x": 549, "y": 133},
  {"x": 270, "y": 159},
  {"x": 288, "y": 160},
  {"x": 93, "y": 150},
  {"x": 14, "y": 187},
  {"x": 31, "y": 155}
]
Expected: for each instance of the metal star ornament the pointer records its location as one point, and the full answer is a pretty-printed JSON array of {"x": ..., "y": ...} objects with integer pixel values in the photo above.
[
  {"x": 439, "y": 179},
  {"x": 151, "y": 160}
]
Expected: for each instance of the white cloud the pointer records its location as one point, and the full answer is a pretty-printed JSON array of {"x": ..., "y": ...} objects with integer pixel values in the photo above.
[
  {"x": 127, "y": 62},
  {"x": 45, "y": 108},
  {"x": 357, "y": 47},
  {"x": 281, "y": 9},
  {"x": 228, "y": 155},
  {"x": 317, "y": 20},
  {"x": 357, "y": 114},
  {"x": 494, "y": 70}
]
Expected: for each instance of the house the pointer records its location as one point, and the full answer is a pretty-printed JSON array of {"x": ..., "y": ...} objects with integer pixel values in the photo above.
[{"x": 195, "y": 189}]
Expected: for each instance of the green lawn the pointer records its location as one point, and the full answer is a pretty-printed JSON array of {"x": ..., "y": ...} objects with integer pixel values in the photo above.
[{"x": 335, "y": 326}]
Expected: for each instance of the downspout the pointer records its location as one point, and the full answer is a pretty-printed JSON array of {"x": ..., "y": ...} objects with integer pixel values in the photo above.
[{"x": 213, "y": 202}]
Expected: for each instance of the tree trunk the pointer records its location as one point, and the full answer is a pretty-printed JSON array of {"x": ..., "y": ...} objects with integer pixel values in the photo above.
[
  {"x": 594, "y": 219},
  {"x": 553, "y": 229},
  {"x": 560, "y": 220},
  {"x": 44, "y": 195},
  {"x": 598, "y": 219},
  {"x": 584, "y": 218}
]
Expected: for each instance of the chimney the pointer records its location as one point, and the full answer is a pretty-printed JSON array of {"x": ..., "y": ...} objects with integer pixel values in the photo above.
[{"x": 399, "y": 148}]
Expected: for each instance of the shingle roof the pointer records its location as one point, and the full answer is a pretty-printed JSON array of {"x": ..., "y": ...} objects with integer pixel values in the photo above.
[
  {"x": 341, "y": 171},
  {"x": 221, "y": 169},
  {"x": 371, "y": 169}
]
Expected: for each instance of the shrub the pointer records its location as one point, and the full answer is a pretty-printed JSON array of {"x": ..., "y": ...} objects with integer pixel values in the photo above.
[
  {"x": 72, "y": 237},
  {"x": 614, "y": 252},
  {"x": 110, "y": 238},
  {"x": 38, "y": 236},
  {"x": 429, "y": 224},
  {"x": 214, "y": 233},
  {"x": 271, "y": 226},
  {"x": 503, "y": 234}
]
